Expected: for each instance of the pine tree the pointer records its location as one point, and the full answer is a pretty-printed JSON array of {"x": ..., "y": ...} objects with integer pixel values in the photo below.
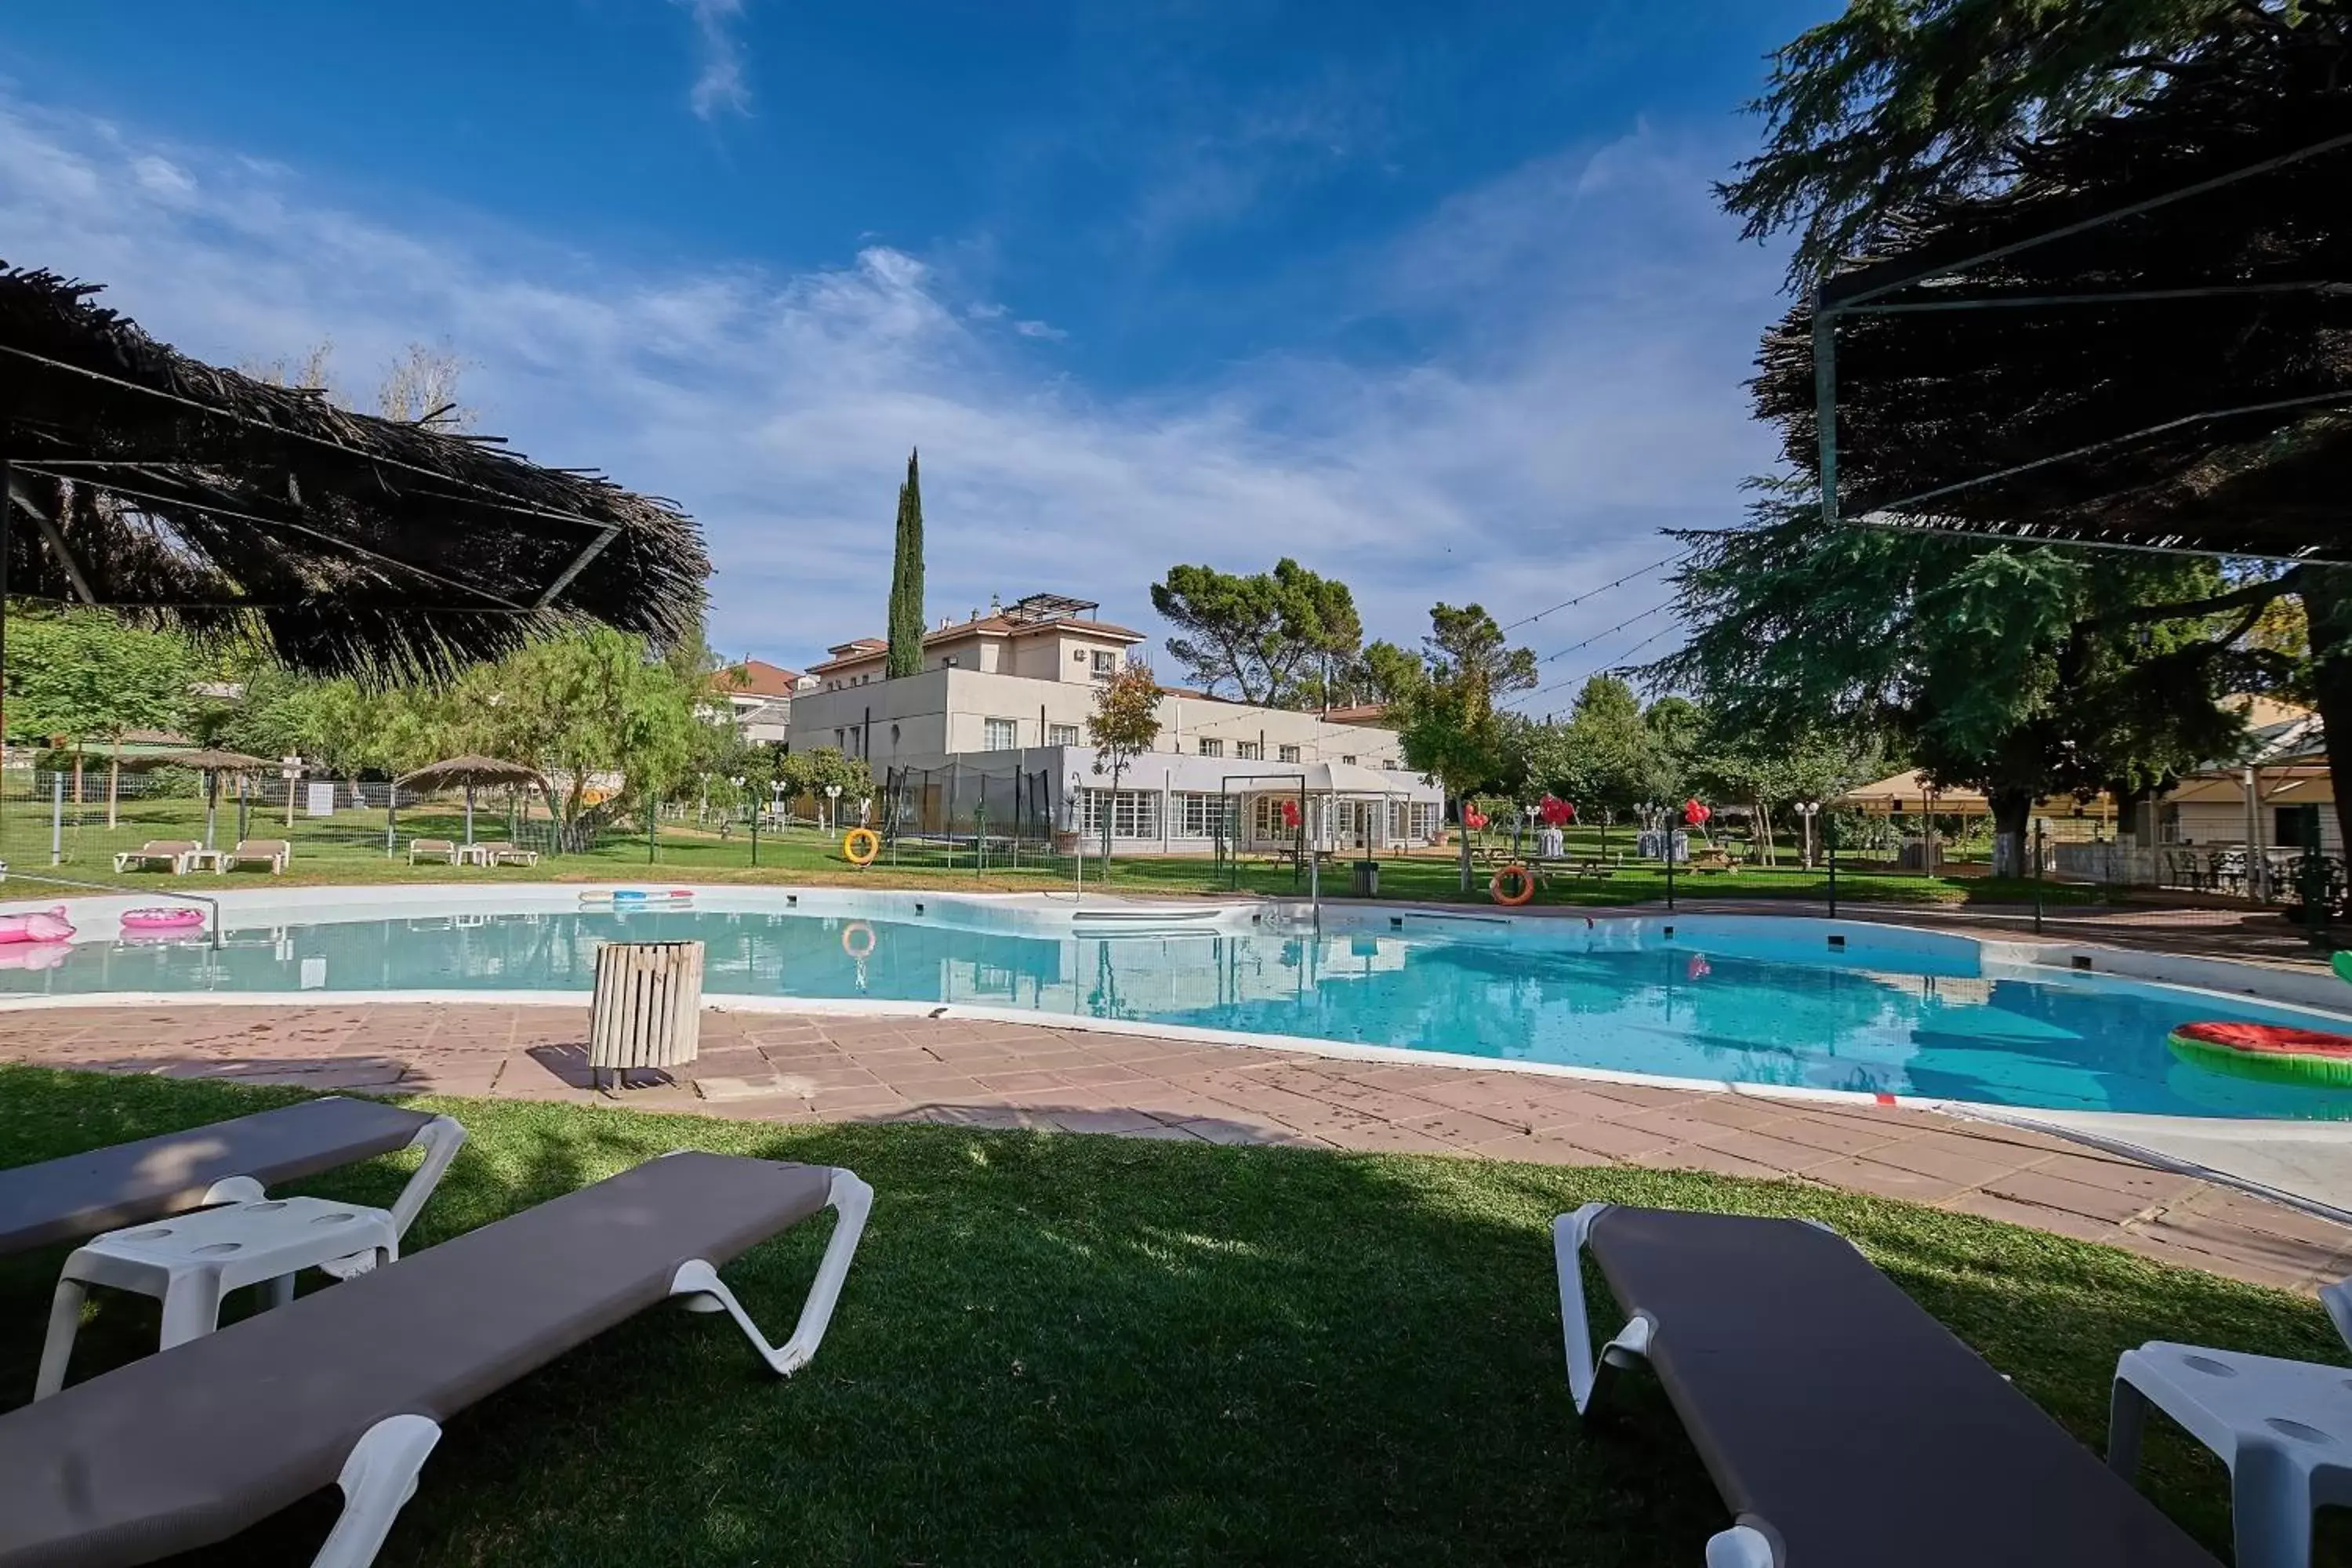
[{"x": 906, "y": 580}]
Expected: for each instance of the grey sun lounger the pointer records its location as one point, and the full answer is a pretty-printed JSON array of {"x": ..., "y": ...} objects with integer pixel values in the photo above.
[
  {"x": 1844, "y": 1427},
  {"x": 228, "y": 1162},
  {"x": 348, "y": 1386}
]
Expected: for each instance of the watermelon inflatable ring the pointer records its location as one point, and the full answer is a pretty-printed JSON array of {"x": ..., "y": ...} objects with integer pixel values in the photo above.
[{"x": 2275, "y": 1053}]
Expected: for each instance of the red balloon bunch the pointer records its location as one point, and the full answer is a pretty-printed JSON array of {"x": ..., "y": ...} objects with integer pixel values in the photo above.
[
  {"x": 1472, "y": 818},
  {"x": 1555, "y": 811},
  {"x": 1290, "y": 814},
  {"x": 1695, "y": 814}
]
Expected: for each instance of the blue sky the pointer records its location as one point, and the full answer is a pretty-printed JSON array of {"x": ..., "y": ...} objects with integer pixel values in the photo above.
[{"x": 1432, "y": 298}]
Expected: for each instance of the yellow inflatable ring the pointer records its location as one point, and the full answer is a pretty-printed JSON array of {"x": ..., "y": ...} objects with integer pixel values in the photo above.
[
  {"x": 1524, "y": 879},
  {"x": 857, "y": 928},
  {"x": 860, "y": 844}
]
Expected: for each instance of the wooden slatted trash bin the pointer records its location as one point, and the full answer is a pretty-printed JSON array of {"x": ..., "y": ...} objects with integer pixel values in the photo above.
[{"x": 648, "y": 1007}]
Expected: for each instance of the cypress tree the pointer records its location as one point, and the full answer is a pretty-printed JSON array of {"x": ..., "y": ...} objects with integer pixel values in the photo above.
[{"x": 906, "y": 580}]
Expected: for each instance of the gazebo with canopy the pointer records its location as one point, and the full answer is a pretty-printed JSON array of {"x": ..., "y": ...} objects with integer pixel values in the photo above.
[
  {"x": 178, "y": 494},
  {"x": 2142, "y": 343}
]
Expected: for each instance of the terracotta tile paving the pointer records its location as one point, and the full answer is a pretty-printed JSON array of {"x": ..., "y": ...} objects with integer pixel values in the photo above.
[{"x": 978, "y": 1073}]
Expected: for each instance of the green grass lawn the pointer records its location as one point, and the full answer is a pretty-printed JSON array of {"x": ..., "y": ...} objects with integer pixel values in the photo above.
[
  {"x": 349, "y": 847},
  {"x": 1057, "y": 1348}
]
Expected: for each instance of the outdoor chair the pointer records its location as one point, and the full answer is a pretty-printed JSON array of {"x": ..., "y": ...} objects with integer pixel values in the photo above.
[
  {"x": 350, "y": 1386},
  {"x": 172, "y": 853},
  {"x": 1841, "y": 1424},
  {"x": 273, "y": 853},
  {"x": 2281, "y": 1427},
  {"x": 226, "y": 1162},
  {"x": 444, "y": 850},
  {"x": 499, "y": 852}
]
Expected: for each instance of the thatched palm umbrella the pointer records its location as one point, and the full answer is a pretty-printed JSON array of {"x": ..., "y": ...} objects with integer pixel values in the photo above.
[
  {"x": 210, "y": 761},
  {"x": 184, "y": 494},
  {"x": 469, "y": 772}
]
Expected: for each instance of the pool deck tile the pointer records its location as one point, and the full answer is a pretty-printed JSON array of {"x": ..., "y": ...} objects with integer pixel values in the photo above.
[{"x": 797, "y": 1068}]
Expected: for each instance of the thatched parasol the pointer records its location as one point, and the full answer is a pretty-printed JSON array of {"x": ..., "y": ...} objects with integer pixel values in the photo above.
[
  {"x": 204, "y": 758},
  {"x": 211, "y": 761},
  {"x": 469, "y": 774},
  {"x": 180, "y": 493},
  {"x": 2090, "y": 355}
]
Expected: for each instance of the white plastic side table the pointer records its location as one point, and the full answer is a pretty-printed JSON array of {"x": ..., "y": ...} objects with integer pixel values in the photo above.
[
  {"x": 192, "y": 1261},
  {"x": 2282, "y": 1427}
]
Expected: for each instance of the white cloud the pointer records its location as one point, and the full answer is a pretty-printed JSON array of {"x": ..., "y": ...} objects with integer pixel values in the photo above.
[
  {"x": 1593, "y": 321},
  {"x": 720, "y": 89}
]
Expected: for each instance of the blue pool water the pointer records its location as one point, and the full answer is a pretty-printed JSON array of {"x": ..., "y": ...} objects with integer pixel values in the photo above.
[{"x": 1745, "y": 1005}]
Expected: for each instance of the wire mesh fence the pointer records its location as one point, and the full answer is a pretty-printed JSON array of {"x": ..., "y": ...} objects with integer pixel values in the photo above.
[{"x": 1004, "y": 825}]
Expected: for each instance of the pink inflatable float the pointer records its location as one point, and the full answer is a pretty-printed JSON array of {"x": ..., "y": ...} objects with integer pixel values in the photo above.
[
  {"x": 34, "y": 954},
  {"x": 43, "y": 925},
  {"x": 180, "y": 919}
]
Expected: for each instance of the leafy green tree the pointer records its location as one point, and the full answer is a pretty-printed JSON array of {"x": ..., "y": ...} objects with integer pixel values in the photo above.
[
  {"x": 823, "y": 767},
  {"x": 1275, "y": 637},
  {"x": 1769, "y": 771},
  {"x": 1896, "y": 101},
  {"x": 1453, "y": 730},
  {"x": 83, "y": 676},
  {"x": 1124, "y": 725},
  {"x": 2022, "y": 671},
  {"x": 591, "y": 703},
  {"x": 905, "y": 657}
]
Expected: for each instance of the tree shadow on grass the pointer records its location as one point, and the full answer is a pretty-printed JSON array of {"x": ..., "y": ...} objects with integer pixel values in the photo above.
[{"x": 1057, "y": 1348}]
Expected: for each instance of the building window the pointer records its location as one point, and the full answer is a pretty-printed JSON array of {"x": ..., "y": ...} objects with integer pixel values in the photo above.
[
  {"x": 1134, "y": 814},
  {"x": 1210, "y": 748},
  {"x": 1265, "y": 818},
  {"x": 1061, "y": 734},
  {"x": 948, "y": 662},
  {"x": 1286, "y": 754},
  {"x": 1349, "y": 761},
  {"x": 1106, "y": 663},
  {"x": 1000, "y": 734},
  {"x": 1200, "y": 816},
  {"x": 1248, "y": 750}
]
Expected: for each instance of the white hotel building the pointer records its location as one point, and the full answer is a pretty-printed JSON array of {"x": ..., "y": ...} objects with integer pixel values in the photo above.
[{"x": 1007, "y": 694}]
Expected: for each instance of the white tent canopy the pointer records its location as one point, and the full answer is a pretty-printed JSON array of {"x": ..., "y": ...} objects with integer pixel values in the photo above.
[{"x": 1347, "y": 778}]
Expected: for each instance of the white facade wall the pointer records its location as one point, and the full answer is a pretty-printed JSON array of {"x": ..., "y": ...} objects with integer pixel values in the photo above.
[
  {"x": 944, "y": 712},
  {"x": 978, "y": 722}
]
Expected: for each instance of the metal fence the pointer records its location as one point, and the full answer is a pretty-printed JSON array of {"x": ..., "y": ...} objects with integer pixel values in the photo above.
[
  {"x": 53, "y": 817},
  {"x": 976, "y": 815}
]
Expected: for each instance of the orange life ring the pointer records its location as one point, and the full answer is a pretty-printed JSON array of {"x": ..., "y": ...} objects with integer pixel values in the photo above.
[
  {"x": 860, "y": 844},
  {"x": 857, "y": 928},
  {"x": 1527, "y": 881}
]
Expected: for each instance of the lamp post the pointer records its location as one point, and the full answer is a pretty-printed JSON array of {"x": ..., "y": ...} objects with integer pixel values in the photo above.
[
  {"x": 1077, "y": 832},
  {"x": 832, "y": 808},
  {"x": 739, "y": 782},
  {"x": 289, "y": 768},
  {"x": 1808, "y": 810}
]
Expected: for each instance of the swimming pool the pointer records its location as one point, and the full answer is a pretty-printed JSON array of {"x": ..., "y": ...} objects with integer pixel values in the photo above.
[{"x": 1746, "y": 1000}]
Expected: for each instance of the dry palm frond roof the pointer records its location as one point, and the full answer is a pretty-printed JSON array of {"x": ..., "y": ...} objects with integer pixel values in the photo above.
[
  {"x": 455, "y": 772},
  {"x": 2216, "y": 421},
  {"x": 184, "y": 494},
  {"x": 203, "y": 759}
]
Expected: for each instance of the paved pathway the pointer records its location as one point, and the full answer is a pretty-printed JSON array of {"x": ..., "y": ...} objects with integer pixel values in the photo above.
[{"x": 810, "y": 1067}]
